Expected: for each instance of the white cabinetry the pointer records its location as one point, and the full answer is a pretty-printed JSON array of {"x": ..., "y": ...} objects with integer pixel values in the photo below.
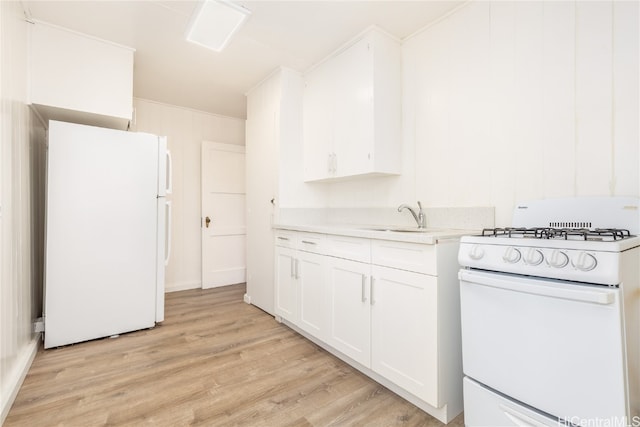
[
  {"x": 274, "y": 125},
  {"x": 352, "y": 111},
  {"x": 390, "y": 308},
  {"x": 312, "y": 299},
  {"x": 79, "y": 78},
  {"x": 350, "y": 323},
  {"x": 404, "y": 325},
  {"x": 286, "y": 291},
  {"x": 300, "y": 292}
]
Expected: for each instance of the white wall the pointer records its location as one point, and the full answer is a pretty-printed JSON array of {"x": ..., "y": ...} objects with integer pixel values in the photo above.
[
  {"x": 508, "y": 101},
  {"x": 185, "y": 130},
  {"x": 520, "y": 100},
  {"x": 21, "y": 216}
]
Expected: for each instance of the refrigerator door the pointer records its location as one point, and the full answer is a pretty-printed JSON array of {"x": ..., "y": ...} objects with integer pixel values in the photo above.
[
  {"x": 164, "y": 252},
  {"x": 165, "y": 168},
  {"x": 163, "y": 236},
  {"x": 102, "y": 231}
]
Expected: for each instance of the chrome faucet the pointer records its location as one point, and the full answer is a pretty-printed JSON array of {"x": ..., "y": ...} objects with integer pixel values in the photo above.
[{"x": 420, "y": 217}]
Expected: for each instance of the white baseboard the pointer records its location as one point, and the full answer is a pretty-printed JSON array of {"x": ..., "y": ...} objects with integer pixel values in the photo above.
[
  {"x": 11, "y": 383},
  {"x": 247, "y": 298},
  {"x": 181, "y": 286},
  {"x": 226, "y": 277}
]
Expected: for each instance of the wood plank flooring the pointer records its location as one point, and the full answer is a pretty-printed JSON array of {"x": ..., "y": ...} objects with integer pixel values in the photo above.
[{"x": 215, "y": 361}]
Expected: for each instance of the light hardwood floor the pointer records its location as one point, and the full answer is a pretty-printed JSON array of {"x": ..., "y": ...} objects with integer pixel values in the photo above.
[{"x": 215, "y": 361}]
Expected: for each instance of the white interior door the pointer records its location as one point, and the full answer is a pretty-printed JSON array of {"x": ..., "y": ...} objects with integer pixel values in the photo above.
[{"x": 223, "y": 214}]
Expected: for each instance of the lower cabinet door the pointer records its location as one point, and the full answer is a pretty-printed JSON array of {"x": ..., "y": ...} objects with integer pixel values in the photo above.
[
  {"x": 313, "y": 294},
  {"x": 349, "y": 308},
  {"x": 404, "y": 330},
  {"x": 286, "y": 294}
]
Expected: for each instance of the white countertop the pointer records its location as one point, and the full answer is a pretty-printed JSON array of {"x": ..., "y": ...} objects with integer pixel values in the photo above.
[{"x": 428, "y": 236}]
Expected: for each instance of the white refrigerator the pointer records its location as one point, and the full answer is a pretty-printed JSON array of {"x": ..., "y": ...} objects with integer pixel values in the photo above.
[{"x": 107, "y": 232}]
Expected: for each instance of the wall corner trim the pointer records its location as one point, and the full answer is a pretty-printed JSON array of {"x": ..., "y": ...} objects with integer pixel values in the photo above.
[{"x": 14, "y": 380}]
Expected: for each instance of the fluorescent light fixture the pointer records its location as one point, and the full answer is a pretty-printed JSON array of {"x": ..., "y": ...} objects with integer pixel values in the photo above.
[{"x": 214, "y": 22}]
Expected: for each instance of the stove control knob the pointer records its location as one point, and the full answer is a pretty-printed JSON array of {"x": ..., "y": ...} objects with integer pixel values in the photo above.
[
  {"x": 533, "y": 257},
  {"x": 476, "y": 252},
  {"x": 558, "y": 259},
  {"x": 584, "y": 262},
  {"x": 511, "y": 255}
]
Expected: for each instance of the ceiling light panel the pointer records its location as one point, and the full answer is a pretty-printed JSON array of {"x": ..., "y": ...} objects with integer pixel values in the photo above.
[{"x": 214, "y": 23}]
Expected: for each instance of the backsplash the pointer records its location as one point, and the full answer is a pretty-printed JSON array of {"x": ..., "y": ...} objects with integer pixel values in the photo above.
[{"x": 468, "y": 218}]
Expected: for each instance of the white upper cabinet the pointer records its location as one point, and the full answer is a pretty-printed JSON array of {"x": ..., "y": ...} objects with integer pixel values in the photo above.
[
  {"x": 352, "y": 111},
  {"x": 78, "y": 78}
]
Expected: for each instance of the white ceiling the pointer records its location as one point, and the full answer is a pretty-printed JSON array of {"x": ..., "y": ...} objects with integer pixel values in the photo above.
[{"x": 295, "y": 34}]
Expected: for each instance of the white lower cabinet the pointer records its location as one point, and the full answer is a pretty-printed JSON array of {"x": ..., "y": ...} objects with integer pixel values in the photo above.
[
  {"x": 313, "y": 304},
  {"x": 349, "y": 308},
  {"x": 404, "y": 332},
  {"x": 400, "y": 325},
  {"x": 286, "y": 292},
  {"x": 300, "y": 291}
]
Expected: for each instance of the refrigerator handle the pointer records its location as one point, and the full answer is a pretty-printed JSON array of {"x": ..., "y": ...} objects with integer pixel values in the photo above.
[
  {"x": 169, "y": 182},
  {"x": 168, "y": 238}
]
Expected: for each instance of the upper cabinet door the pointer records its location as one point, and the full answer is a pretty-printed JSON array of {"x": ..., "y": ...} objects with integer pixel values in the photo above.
[
  {"x": 79, "y": 78},
  {"x": 352, "y": 111},
  {"x": 318, "y": 122},
  {"x": 353, "y": 107}
]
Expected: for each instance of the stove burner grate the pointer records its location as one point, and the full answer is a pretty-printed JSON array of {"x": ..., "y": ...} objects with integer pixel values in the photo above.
[{"x": 607, "y": 234}]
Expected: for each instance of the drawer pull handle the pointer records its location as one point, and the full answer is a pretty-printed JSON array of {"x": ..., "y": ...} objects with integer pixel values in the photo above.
[
  {"x": 282, "y": 238},
  {"x": 364, "y": 295},
  {"x": 309, "y": 243}
]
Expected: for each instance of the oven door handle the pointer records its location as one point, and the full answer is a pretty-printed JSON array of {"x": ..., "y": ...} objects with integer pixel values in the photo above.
[{"x": 546, "y": 289}]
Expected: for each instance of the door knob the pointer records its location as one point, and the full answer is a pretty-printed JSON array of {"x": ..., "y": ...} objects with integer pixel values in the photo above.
[{"x": 207, "y": 221}]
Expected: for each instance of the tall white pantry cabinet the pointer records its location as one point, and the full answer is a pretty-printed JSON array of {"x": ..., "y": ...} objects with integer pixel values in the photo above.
[{"x": 274, "y": 120}]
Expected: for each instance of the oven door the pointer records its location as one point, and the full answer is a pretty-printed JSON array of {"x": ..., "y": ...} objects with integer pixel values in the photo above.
[{"x": 555, "y": 346}]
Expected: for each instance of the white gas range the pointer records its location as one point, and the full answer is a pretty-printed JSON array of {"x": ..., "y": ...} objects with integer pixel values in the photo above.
[{"x": 551, "y": 316}]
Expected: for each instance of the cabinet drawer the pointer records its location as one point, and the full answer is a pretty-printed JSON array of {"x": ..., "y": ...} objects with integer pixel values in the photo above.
[
  {"x": 314, "y": 243},
  {"x": 405, "y": 256},
  {"x": 352, "y": 248},
  {"x": 286, "y": 239}
]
